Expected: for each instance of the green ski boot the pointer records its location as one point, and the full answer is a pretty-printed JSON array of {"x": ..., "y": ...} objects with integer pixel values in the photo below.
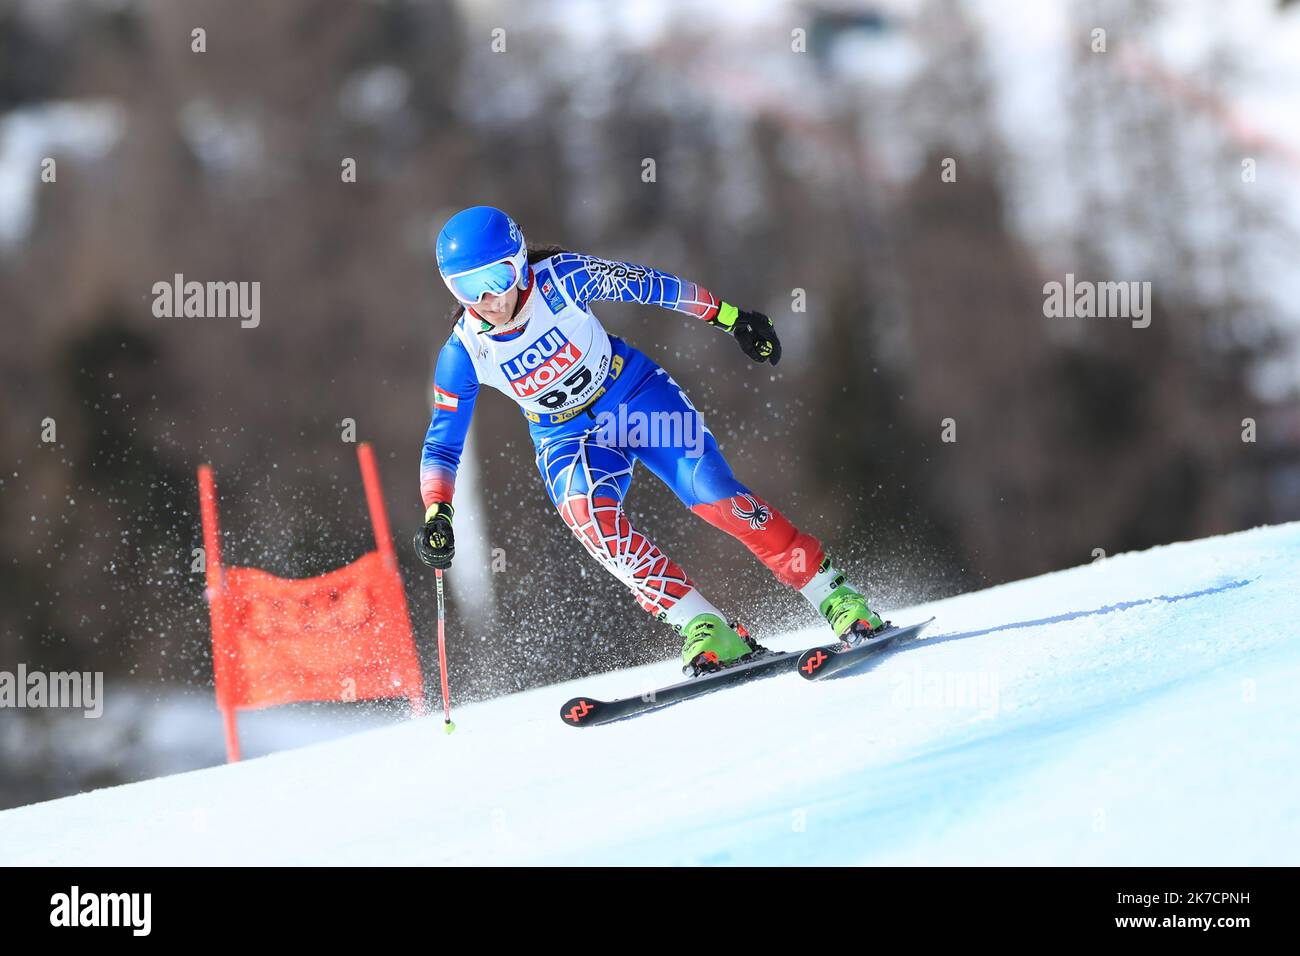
[
  {"x": 711, "y": 644},
  {"x": 849, "y": 616}
]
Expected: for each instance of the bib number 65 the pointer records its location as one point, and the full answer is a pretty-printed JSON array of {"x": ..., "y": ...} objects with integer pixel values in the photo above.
[{"x": 573, "y": 385}]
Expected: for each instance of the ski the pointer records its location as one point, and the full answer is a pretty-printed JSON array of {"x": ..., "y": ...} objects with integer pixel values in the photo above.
[
  {"x": 818, "y": 663},
  {"x": 589, "y": 711}
]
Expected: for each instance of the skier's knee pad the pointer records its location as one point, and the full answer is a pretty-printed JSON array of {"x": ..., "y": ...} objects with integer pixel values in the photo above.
[{"x": 711, "y": 479}]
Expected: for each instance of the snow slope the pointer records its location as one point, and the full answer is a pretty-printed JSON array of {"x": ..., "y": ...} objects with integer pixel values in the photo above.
[{"x": 1139, "y": 709}]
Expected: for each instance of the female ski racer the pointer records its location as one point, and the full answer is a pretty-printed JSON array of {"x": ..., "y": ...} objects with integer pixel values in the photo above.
[{"x": 525, "y": 327}]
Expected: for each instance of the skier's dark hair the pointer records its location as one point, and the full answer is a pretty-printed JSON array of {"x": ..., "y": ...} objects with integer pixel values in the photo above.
[{"x": 535, "y": 254}]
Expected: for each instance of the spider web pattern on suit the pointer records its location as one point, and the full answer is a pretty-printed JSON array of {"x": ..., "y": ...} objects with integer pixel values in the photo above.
[{"x": 588, "y": 491}]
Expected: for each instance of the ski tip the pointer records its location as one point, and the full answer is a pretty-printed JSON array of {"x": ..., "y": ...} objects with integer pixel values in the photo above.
[
  {"x": 812, "y": 660},
  {"x": 580, "y": 711},
  {"x": 818, "y": 662}
]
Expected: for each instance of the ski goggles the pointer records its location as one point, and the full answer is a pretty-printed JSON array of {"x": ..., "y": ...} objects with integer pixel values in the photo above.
[{"x": 497, "y": 279}]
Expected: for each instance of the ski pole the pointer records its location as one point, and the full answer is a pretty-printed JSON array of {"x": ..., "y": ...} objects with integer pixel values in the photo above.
[{"x": 442, "y": 657}]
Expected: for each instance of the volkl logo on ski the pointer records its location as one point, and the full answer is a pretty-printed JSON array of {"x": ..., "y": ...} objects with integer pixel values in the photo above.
[
  {"x": 579, "y": 710},
  {"x": 815, "y": 661}
]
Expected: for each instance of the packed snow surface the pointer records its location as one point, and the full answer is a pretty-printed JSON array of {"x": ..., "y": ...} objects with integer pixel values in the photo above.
[{"x": 1141, "y": 709}]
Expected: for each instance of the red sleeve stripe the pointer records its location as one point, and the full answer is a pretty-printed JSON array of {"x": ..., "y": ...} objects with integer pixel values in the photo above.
[
  {"x": 697, "y": 301},
  {"x": 437, "y": 488}
]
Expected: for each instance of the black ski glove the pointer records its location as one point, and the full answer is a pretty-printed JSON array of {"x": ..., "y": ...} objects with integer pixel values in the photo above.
[
  {"x": 753, "y": 330},
  {"x": 434, "y": 542}
]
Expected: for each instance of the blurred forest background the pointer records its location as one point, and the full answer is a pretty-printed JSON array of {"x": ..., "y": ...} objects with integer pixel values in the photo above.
[{"x": 802, "y": 180}]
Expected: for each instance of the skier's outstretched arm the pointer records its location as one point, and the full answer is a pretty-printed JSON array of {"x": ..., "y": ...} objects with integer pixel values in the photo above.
[
  {"x": 592, "y": 279},
  {"x": 455, "y": 389}
]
